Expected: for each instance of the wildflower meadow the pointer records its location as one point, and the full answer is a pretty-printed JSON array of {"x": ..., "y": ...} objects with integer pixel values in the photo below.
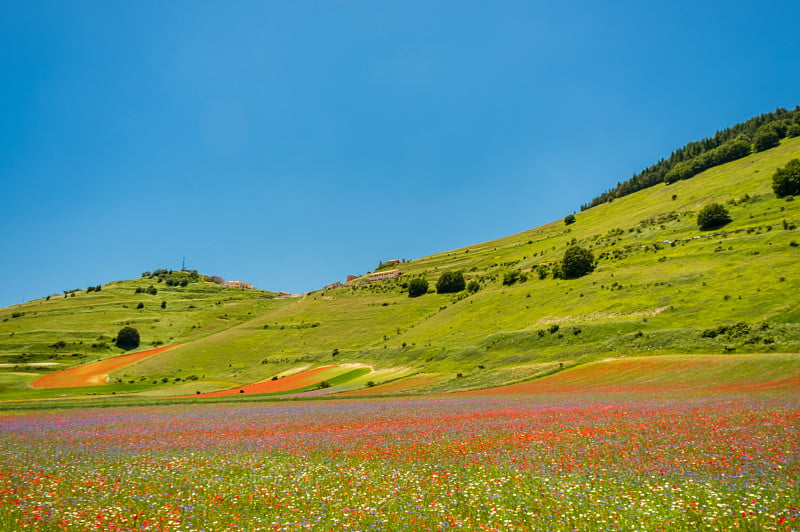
[{"x": 494, "y": 462}]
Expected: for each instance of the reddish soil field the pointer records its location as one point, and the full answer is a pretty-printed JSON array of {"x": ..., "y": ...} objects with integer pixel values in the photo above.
[
  {"x": 292, "y": 382},
  {"x": 94, "y": 373},
  {"x": 662, "y": 375},
  {"x": 400, "y": 385}
]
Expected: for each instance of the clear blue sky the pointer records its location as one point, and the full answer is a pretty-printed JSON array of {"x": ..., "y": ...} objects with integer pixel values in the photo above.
[{"x": 289, "y": 144}]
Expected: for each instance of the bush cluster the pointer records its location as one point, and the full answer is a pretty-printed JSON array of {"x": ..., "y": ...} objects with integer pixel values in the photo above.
[
  {"x": 730, "y": 151},
  {"x": 128, "y": 338},
  {"x": 450, "y": 283},
  {"x": 511, "y": 277},
  {"x": 786, "y": 180},
  {"x": 152, "y": 290},
  {"x": 417, "y": 287},
  {"x": 712, "y": 216},
  {"x": 577, "y": 262}
]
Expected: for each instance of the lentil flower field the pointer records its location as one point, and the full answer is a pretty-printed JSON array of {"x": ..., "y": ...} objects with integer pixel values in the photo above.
[{"x": 495, "y": 462}]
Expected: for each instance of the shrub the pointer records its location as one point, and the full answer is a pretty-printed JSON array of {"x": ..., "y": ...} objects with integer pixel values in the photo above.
[
  {"x": 128, "y": 338},
  {"x": 786, "y": 180},
  {"x": 163, "y": 304},
  {"x": 511, "y": 277},
  {"x": 473, "y": 286},
  {"x": 712, "y": 216},
  {"x": 450, "y": 282},
  {"x": 569, "y": 219},
  {"x": 577, "y": 262},
  {"x": 417, "y": 287},
  {"x": 140, "y": 305},
  {"x": 542, "y": 270}
]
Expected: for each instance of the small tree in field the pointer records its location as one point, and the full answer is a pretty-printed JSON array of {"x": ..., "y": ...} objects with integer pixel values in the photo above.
[
  {"x": 450, "y": 282},
  {"x": 417, "y": 287},
  {"x": 577, "y": 262},
  {"x": 786, "y": 180},
  {"x": 569, "y": 219},
  {"x": 128, "y": 338},
  {"x": 712, "y": 216}
]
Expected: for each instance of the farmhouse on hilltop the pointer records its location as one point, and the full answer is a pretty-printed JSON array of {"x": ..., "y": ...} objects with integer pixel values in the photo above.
[{"x": 240, "y": 284}]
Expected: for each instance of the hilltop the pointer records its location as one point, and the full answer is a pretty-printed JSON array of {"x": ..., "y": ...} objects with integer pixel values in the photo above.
[{"x": 661, "y": 286}]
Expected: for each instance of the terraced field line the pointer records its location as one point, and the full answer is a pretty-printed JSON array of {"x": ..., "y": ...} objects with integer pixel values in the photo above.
[
  {"x": 94, "y": 373},
  {"x": 404, "y": 384}
]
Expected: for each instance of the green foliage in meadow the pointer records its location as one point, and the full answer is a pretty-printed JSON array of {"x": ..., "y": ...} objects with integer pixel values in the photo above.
[
  {"x": 712, "y": 216},
  {"x": 417, "y": 287},
  {"x": 786, "y": 180}
]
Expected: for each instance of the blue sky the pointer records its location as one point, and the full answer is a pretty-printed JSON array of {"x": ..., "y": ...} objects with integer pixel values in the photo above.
[{"x": 289, "y": 144}]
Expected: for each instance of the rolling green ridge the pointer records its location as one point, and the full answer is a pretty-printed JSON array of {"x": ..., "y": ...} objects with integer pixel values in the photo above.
[{"x": 661, "y": 287}]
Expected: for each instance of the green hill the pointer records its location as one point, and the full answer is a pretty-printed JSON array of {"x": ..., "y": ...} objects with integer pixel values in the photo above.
[{"x": 661, "y": 286}]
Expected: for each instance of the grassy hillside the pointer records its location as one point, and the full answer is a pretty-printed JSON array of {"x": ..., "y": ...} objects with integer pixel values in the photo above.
[
  {"x": 661, "y": 286},
  {"x": 63, "y": 331}
]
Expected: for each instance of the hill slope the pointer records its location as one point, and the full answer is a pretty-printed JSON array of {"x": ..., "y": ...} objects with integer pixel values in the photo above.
[{"x": 661, "y": 286}]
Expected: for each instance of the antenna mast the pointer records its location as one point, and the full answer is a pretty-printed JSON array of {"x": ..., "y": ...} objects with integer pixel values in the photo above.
[{"x": 183, "y": 265}]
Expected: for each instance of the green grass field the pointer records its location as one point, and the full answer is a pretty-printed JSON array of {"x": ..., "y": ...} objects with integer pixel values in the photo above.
[{"x": 659, "y": 284}]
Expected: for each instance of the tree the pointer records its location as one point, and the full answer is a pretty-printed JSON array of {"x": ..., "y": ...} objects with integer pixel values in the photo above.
[
  {"x": 473, "y": 286},
  {"x": 786, "y": 180},
  {"x": 766, "y": 137},
  {"x": 450, "y": 282},
  {"x": 577, "y": 262},
  {"x": 417, "y": 287},
  {"x": 128, "y": 338},
  {"x": 569, "y": 219},
  {"x": 712, "y": 216},
  {"x": 163, "y": 304}
]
